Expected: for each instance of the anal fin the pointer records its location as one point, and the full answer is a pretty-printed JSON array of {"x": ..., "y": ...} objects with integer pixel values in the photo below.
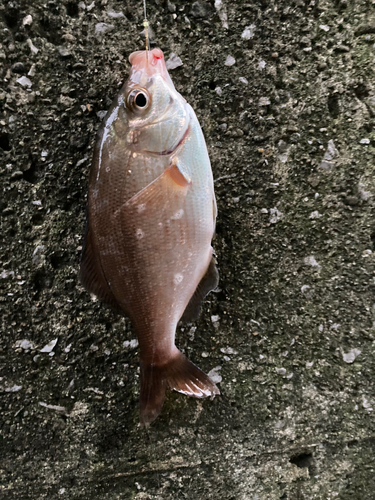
[{"x": 208, "y": 283}]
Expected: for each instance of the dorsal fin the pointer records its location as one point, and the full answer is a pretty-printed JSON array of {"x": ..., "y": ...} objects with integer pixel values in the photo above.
[
  {"x": 208, "y": 283},
  {"x": 91, "y": 272}
]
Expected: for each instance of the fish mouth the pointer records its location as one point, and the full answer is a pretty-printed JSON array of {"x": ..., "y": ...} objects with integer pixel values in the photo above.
[{"x": 146, "y": 63}]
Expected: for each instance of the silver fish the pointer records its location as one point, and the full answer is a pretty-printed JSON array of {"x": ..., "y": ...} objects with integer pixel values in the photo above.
[{"x": 151, "y": 218}]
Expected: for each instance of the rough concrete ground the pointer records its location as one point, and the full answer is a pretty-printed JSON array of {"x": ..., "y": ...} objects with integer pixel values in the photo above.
[{"x": 290, "y": 131}]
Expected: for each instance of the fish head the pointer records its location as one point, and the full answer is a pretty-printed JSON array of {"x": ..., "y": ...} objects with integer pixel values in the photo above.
[{"x": 156, "y": 116}]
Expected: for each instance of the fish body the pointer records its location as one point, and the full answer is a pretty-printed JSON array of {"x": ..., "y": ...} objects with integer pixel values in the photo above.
[{"x": 151, "y": 218}]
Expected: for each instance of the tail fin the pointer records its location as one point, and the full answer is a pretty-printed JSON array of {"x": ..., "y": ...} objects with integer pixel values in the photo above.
[{"x": 179, "y": 374}]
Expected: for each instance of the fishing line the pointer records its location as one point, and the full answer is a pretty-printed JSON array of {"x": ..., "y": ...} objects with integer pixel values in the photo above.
[{"x": 145, "y": 24}]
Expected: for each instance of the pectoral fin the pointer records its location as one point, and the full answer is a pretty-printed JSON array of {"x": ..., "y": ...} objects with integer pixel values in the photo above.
[{"x": 208, "y": 283}]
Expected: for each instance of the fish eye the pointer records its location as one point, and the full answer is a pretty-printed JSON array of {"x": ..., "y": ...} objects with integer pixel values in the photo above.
[{"x": 138, "y": 100}]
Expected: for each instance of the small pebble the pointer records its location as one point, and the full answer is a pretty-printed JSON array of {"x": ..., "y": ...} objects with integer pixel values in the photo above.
[
  {"x": 18, "y": 67},
  {"x": 32, "y": 47},
  {"x": 264, "y": 101},
  {"x": 101, "y": 29},
  {"x": 214, "y": 375},
  {"x": 31, "y": 71},
  {"x": 115, "y": 15},
  {"x": 229, "y": 61},
  {"x": 173, "y": 62},
  {"x": 50, "y": 346},
  {"x": 132, "y": 344},
  {"x": 64, "y": 52},
  {"x": 27, "y": 21},
  {"x": 281, "y": 371},
  {"x": 350, "y": 356},
  {"x": 248, "y": 32},
  {"x": 261, "y": 65},
  {"x": 315, "y": 215},
  {"x": 24, "y": 344},
  {"x": 24, "y": 81},
  {"x": 311, "y": 261}
]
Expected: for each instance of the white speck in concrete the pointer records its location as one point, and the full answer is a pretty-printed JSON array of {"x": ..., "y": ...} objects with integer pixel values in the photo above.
[
  {"x": 315, "y": 215},
  {"x": 101, "y": 29},
  {"x": 248, "y": 32},
  {"x": 59, "y": 409},
  {"x": 32, "y": 47},
  {"x": 330, "y": 154},
  {"x": 324, "y": 27},
  {"x": 228, "y": 350},
  {"x": 50, "y": 346},
  {"x": 311, "y": 261},
  {"x": 275, "y": 215},
  {"x": 115, "y": 15},
  {"x": 350, "y": 356},
  {"x": 214, "y": 375},
  {"x": 24, "y": 81},
  {"x": 242, "y": 79},
  {"x": 12, "y": 388},
  {"x": 38, "y": 255},
  {"x": 173, "y": 62},
  {"x": 132, "y": 344},
  {"x": 261, "y": 65},
  {"x": 101, "y": 114},
  {"x": 365, "y": 195},
  {"x": 5, "y": 274},
  {"x": 222, "y": 12},
  {"x": 281, "y": 371},
  {"x": 264, "y": 101},
  {"x": 229, "y": 61},
  {"x": 362, "y": 141},
  {"x": 367, "y": 405},
  {"x": 27, "y": 20},
  {"x": 24, "y": 344},
  {"x": 191, "y": 333}
]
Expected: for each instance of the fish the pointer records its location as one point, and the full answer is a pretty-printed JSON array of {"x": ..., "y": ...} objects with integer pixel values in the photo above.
[{"x": 151, "y": 217}]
